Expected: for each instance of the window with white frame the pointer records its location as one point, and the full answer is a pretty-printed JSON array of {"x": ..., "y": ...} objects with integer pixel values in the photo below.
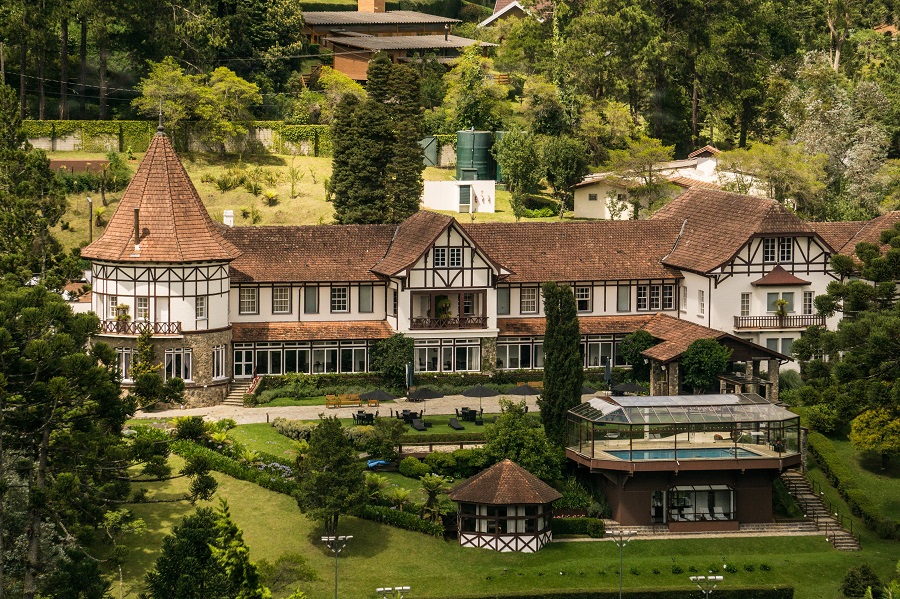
[
  {"x": 514, "y": 353},
  {"x": 809, "y": 305},
  {"x": 655, "y": 297},
  {"x": 310, "y": 300},
  {"x": 785, "y": 249},
  {"x": 772, "y": 300},
  {"x": 455, "y": 257},
  {"x": 468, "y": 304},
  {"x": 126, "y": 357},
  {"x": 179, "y": 364},
  {"x": 248, "y": 300},
  {"x": 682, "y": 299},
  {"x": 447, "y": 355},
  {"x": 643, "y": 297},
  {"x": 701, "y": 302},
  {"x": 623, "y": 298},
  {"x": 200, "y": 307},
  {"x": 745, "y": 304},
  {"x": 668, "y": 297},
  {"x": 440, "y": 257},
  {"x": 503, "y": 300},
  {"x": 281, "y": 300},
  {"x": 112, "y": 302},
  {"x": 769, "y": 249},
  {"x": 366, "y": 293},
  {"x": 218, "y": 362},
  {"x": 339, "y": 301},
  {"x": 392, "y": 302},
  {"x": 583, "y": 298},
  {"x": 142, "y": 309},
  {"x": 528, "y": 300}
]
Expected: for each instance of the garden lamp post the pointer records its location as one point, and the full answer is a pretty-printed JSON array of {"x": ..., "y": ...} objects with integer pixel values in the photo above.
[
  {"x": 90, "y": 220},
  {"x": 706, "y": 584},
  {"x": 391, "y": 592},
  {"x": 336, "y": 544},
  {"x": 621, "y": 537}
]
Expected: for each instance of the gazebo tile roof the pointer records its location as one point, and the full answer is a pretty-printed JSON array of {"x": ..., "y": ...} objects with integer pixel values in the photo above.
[{"x": 505, "y": 483}]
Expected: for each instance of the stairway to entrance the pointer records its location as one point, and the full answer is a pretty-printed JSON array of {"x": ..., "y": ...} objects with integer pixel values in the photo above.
[
  {"x": 812, "y": 505},
  {"x": 236, "y": 393}
]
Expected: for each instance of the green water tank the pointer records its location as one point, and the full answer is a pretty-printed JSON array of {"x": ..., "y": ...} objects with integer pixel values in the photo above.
[{"x": 474, "y": 160}]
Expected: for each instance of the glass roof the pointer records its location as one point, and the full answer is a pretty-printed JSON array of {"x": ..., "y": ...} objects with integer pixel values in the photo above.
[{"x": 681, "y": 409}]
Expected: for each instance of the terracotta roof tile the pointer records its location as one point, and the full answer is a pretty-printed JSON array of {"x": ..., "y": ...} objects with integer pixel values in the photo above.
[
  {"x": 505, "y": 483},
  {"x": 687, "y": 183},
  {"x": 308, "y": 253},
  {"x": 870, "y": 232},
  {"x": 580, "y": 251},
  {"x": 779, "y": 276},
  {"x": 719, "y": 223},
  {"x": 837, "y": 234},
  {"x": 174, "y": 223},
  {"x": 705, "y": 151},
  {"x": 588, "y": 325},
  {"x": 311, "y": 331},
  {"x": 412, "y": 238}
]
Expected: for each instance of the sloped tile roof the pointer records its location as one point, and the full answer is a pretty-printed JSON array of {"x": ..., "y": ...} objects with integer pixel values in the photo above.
[
  {"x": 838, "y": 234},
  {"x": 870, "y": 232},
  {"x": 349, "y": 18},
  {"x": 581, "y": 251},
  {"x": 718, "y": 223},
  {"x": 505, "y": 483},
  {"x": 587, "y": 325},
  {"x": 412, "y": 238},
  {"x": 405, "y": 42},
  {"x": 705, "y": 151},
  {"x": 311, "y": 331},
  {"x": 174, "y": 223},
  {"x": 687, "y": 183},
  {"x": 779, "y": 276},
  {"x": 308, "y": 253}
]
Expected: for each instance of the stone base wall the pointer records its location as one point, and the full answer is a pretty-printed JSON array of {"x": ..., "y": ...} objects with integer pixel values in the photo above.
[{"x": 488, "y": 354}]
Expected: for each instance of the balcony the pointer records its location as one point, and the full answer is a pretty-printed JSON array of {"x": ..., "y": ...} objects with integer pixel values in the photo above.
[
  {"x": 794, "y": 321},
  {"x": 452, "y": 322},
  {"x": 128, "y": 327}
]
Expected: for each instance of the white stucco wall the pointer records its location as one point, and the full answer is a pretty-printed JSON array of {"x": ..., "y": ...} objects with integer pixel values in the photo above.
[
  {"x": 444, "y": 195},
  {"x": 599, "y": 208}
]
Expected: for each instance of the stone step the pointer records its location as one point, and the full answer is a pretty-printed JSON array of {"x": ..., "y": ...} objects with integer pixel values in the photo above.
[{"x": 236, "y": 393}]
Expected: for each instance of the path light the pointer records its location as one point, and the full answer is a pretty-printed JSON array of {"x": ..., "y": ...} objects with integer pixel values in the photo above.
[
  {"x": 621, "y": 537},
  {"x": 336, "y": 544},
  {"x": 707, "y": 584}
]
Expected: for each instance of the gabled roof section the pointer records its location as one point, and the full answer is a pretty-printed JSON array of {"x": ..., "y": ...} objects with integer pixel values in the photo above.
[
  {"x": 717, "y": 224},
  {"x": 870, "y": 232},
  {"x": 355, "y": 17},
  {"x": 838, "y": 234},
  {"x": 405, "y": 42},
  {"x": 705, "y": 152},
  {"x": 778, "y": 277},
  {"x": 687, "y": 183},
  {"x": 311, "y": 330},
  {"x": 308, "y": 253},
  {"x": 505, "y": 483},
  {"x": 174, "y": 224},
  {"x": 579, "y": 251}
]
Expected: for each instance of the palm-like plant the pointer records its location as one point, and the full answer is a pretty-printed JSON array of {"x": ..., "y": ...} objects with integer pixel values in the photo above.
[
  {"x": 433, "y": 486},
  {"x": 398, "y": 497}
]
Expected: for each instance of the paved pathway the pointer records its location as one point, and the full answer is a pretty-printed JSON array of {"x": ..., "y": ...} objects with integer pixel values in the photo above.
[{"x": 445, "y": 405}]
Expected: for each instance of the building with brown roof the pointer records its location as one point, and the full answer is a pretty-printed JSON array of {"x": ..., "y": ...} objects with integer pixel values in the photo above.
[{"x": 504, "y": 508}]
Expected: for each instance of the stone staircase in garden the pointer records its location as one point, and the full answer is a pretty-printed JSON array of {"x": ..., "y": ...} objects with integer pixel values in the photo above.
[
  {"x": 797, "y": 527},
  {"x": 812, "y": 505},
  {"x": 236, "y": 393}
]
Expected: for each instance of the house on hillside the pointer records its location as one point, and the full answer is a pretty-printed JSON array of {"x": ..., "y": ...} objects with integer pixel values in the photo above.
[{"x": 513, "y": 9}]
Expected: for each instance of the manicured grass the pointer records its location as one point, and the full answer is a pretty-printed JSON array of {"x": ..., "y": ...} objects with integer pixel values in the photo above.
[
  {"x": 280, "y": 402},
  {"x": 881, "y": 486},
  {"x": 263, "y": 437},
  {"x": 381, "y": 555}
]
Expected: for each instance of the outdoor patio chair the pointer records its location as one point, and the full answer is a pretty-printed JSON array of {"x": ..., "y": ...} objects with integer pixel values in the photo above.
[
  {"x": 703, "y": 514},
  {"x": 719, "y": 513},
  {"x": 455, "y": 425},
  {"x": 416, "y": 423}
]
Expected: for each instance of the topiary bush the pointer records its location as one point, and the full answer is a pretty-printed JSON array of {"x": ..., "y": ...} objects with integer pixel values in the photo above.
[
  {"x": 858, "y": 579},
  {"x": 297, "y": 430},
  {"x": 413, "y": 468}
]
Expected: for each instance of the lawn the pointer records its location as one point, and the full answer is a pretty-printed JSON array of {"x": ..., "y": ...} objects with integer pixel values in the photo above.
[
  {"x": 264, "y": 438},
  {"x": 881, "y": 486},
  {"x": 281, "y": 402},
  {"x": 380, "y": 555}
]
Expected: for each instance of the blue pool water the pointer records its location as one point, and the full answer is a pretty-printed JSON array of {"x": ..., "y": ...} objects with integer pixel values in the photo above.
[{"x": 701, "y": 453}]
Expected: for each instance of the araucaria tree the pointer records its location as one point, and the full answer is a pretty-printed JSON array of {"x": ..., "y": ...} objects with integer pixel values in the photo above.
[
  {"x": 330, "y": 476},
  {"x": 377, "y": 166},
  {"x": 563, "y": 367}
]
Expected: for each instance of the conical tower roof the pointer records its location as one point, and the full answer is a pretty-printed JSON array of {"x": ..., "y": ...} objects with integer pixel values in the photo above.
[{"x": 173, "y": 222}]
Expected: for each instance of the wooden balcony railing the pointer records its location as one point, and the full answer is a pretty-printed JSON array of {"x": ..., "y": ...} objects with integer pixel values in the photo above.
[
  {"x": 460, "y": 322},
  {"x": 129, "y": 327},
  {"x": 791, "y": 321}
]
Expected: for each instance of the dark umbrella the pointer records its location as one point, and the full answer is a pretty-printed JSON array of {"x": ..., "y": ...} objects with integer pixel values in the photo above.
[
  {"x": 480, "y": 391},
  {"x": 630, "y": 388},
  {"x": 377, "y": 395},
  {"x": 524, "y": 390},
  {"x": 587, "y": 391},
  {"x": 424, "y": 393}
]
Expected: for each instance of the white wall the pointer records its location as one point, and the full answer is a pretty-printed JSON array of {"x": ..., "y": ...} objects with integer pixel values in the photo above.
[
  {"x": 599, "y": 208},
  {"x": 324, "y": 314},
  {"x": 444, "y": 195}
]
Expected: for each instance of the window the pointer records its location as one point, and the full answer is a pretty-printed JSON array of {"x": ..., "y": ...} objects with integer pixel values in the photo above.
[
  {"x": 785, "y": 249},
  {"x": 772, "y": 343},
  {"x": 668, "y": 297},
  {"x": 682, "y": 301},
  {"x": 786, "y": 345},
  {"x": 520, "y": 352},
  {"x": 592, "y": 197},
  {"x": 248, "y": 300},
  {"x": 583, "y": 299},
  {"x": 455, "y": 257},
  {"x": 503, "y": 300},
  {"x": 772, "y": 301},
  {"x": 447, "y": 355},
  {"x": 218, "y": 362},
  {"x": 126, "y": 361},
  {"x": 365, "y": 298},
  {"x": 310, "y": 300},
  {"x": 701, "y": 302},
  {"x": 353, "y": 359},
  {"x": 468, "y": 304},
  {"x": 200, "y": 307},
  {"x": 281, "y": 300},
  {"x": 178, "y": 363},
  {"x": 339, "y": 301},
  {"x": 112, "y": 302},
  {"x": 528, "y": 300},
  {"x": 392, "y": 304},
  {"x": 623, "y": 299},
  {"x": 643, "y": 292},
  {"x": 440, "y": 256},
  {"x": 809, "y": 305},
  {"x": 745, "y": 304},
  {"x": 142, "y": 311},
  {"x": 655, "y": 299},
  {"x": 768, "y": 250}
]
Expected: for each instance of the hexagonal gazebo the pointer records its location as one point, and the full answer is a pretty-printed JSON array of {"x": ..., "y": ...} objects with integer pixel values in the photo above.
[{"x": 504, "y": 508}]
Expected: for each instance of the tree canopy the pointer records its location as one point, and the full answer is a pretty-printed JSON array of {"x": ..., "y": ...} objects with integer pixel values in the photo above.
[
  {"x": 702, "y": 362},
  {"x": 518, "y": 437}
]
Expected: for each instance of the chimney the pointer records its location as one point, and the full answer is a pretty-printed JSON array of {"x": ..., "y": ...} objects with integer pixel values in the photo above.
[
  {"x": 137, "y": 229},
  {"x": 374, "y": 6},
  {"x": 228, "y": 218}
]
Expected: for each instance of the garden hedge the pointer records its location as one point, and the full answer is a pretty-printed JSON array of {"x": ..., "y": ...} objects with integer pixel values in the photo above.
[
  {"x": 775, "y": 592},
  {"x": 220, "y": 463},
  {"x": 398, "y": 519},
  {"x": 592, "y": 527},
  {"x": 841, "y": 478}
]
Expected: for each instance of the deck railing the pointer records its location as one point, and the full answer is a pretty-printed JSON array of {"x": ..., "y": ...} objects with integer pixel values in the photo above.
[
  {"x": 129, "y": 327},
  {"x": 795, "y": 321},
  {"x": 456, "y": 322}
]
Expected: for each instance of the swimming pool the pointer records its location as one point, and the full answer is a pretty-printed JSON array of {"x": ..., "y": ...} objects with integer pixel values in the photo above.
[{"x": 699, "y": 453}]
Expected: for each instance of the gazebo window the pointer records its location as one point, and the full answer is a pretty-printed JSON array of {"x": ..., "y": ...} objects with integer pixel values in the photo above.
[{"x": 496, "y": 522}]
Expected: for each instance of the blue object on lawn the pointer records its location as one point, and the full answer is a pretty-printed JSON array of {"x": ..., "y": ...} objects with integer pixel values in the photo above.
[{"x": 373, "y": 463}]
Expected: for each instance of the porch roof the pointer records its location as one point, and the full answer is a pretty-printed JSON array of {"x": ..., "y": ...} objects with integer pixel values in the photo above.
[
  {"x": 311, "y": 331},
  {"x": 682, "y": 409}
]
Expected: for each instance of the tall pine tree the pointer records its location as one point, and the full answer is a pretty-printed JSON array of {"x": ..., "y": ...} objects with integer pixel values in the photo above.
[
  {"x": 378, "y": 164},
  {"x": 563, "y": 366}
]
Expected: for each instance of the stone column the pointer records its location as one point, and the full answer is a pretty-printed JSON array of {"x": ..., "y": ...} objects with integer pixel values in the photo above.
[
  {"x": 674, "y": 377},
  {"x": 774, "y": 368},
  {"x": 488, "y": 354},
  {"x": 658, "y": 384},
  {"x": 751, "y": 369}
]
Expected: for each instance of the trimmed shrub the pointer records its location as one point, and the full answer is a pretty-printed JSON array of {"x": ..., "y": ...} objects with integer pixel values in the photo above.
[
  {"x": 463, "y": 437},
  {"x": 411, "y": 467},
  {"x": 592, "y": 527},
  {"x": 298, "y": 430},
  {"x": 269, "y": 473},
  {"x": 190, "y": 428},
  {"x": 404, "y": 520},
  {"x": 858, "y": 579},
  {"x": 441, "y": 463}
]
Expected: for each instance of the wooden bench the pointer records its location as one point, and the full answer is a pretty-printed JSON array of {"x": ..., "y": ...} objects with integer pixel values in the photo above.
[{"x": 344, "y": 400}]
